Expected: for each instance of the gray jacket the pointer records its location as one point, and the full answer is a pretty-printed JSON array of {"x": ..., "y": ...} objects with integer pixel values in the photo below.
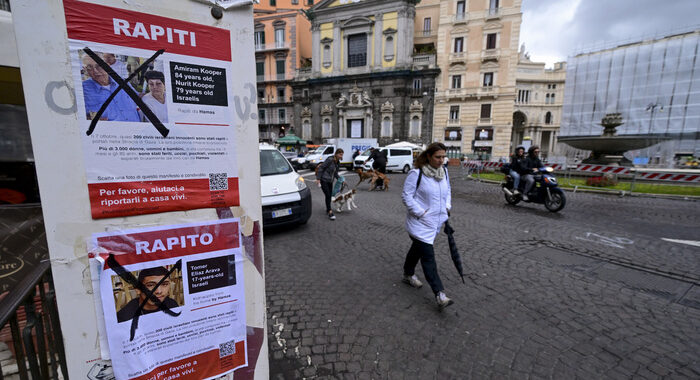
[{"x": 328, "y": 170}]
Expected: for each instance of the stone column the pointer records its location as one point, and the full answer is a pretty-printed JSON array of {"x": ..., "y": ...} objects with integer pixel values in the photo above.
[
  {"x": 378, "y": 40},
  {"x": 551, "y": 142},
  {"x": 316, "y": 49},
  {"x": 337, "y": 43}
]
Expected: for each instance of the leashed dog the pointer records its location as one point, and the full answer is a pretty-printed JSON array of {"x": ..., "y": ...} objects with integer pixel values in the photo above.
[
  {"x": 342, "y": 199},
  {"x": 372, "y": 176}
]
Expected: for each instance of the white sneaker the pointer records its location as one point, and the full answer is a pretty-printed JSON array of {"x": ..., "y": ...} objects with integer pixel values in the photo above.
[
  {"x": 443, "y": 301},
  {"x": 516, "y": 192},
  {"x": 413, "y": 281},
  {"x": 525, "y": 198}
]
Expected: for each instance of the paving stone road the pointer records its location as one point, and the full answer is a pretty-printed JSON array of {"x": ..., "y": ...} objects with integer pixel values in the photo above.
[{"x": 590, "y": 292}]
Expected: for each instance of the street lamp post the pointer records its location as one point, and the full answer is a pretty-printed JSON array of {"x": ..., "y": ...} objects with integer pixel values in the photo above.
[{"x": 651, "y": 108}]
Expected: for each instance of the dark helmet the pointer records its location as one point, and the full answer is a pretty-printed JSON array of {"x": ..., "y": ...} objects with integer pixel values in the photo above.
[
  {"x": 517, "y": 148},
  {"x": 532, "y": 149}
]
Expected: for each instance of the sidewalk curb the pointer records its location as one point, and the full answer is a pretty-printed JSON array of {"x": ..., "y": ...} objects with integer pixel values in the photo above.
[{"x": 690, "y": 198}]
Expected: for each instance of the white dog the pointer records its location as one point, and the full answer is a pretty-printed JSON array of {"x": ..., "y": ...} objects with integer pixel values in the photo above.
[{"x": 342, "y": 199}]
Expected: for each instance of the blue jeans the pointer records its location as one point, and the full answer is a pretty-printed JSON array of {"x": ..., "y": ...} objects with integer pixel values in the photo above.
[
  {"x": 529, "y": 182},
  {"x": 516, "y": 179},
  {"x": 425, "y": 253}
]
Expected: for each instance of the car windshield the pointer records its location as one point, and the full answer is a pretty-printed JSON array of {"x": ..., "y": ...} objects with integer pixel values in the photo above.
[
  {"x": 272, "y": 162},
  {"x": 366, "y": 153}
]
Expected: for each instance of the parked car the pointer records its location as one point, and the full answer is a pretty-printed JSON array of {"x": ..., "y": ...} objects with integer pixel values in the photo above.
[
  {"x": 348, "y": 145},
  {"x": 285, "y": 197},
  {"x": 397, "y": 159}
]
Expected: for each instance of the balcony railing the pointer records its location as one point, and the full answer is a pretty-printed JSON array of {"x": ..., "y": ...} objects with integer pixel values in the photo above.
[
  {"x": 458, "y": 56},
  {"x": 272, "y": 46},
  {"x": 453, "y": 122},
  {"x": 424, "y": 60},
  {"x": 490, "y": 54},
  {"x": 484, "y": 121},
  {"x": 493, "y": 13},
  {"x": 425, "y": 33},
  {"x": 460, "y": 17},
  {"x": 36, "y": 331},
  {"x": 260, "y": 78}
]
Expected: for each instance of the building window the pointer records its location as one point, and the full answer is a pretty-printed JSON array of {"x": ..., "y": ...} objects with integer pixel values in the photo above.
[
  {"x": 282, "y": 115},
  {"x": 415, "y": 127},
  {"x": 523, "y": 96},
  {"x": 279, "y": 38},
  {"x": 260, "y": 71},
  {"x": 454, "y": 113},
  {"x": 493, "y": 6},
  {"x": 357, "y": 50},
  {"x": 548, "y": 118},
  {"x": 491, "y": 41},
  {"x": 386, "y": 127},
  {"x": 327, "y": 55},
  {"x": 280, "y": 69},
  {"x": 417, "y": 83},
  {"x": 273, "y": 3},
  {"x": 326, "y": 127},
  {"x": 305, "y": 93},
  {"x": 259, "y": 40},
  {"x": 261, "y": 96},
  {"x": 295, "y": 2},
  {"x": 461, "y": 8},
  {"x": 389, "y": 49},
  {"x": 551, "y": 98},
  {"x": 280, "y": 94},
  {"x": 261, "y": 115},
  {"x": 488, "y": 79},
  {"x": 310, "y": 2},
  {"x": 306, "y": 129},
  {"x": 485, "y": 111},
  {"x": 427, "y": 26},
  {"x": 456, "y": 81},
  {"x": 459, "y": 45}
]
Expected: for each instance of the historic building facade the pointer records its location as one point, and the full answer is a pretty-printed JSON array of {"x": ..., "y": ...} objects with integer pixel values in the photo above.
[
  {"x": 538, "y": 104},
  {"x": 365, "y": 80},
  {"x": 477, "y": 50},
  {"x": 282, "y": 46}
]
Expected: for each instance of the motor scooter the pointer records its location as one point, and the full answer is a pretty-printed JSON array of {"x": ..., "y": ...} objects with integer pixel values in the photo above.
[{"x": 545, "y": 191}]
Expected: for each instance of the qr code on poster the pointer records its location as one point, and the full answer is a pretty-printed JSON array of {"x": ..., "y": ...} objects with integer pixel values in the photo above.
[
  {"x": 226, "y": 349},
  {"x": 218, "y": 181}
]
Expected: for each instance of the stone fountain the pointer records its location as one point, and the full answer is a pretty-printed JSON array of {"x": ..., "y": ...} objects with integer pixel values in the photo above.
[{"x": 609, "y": 148}]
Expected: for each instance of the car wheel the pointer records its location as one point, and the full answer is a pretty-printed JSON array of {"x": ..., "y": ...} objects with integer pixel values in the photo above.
[{"x": 406, "y": 169}]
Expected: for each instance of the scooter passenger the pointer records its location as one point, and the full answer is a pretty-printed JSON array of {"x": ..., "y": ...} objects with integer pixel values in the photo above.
[
  {"x": 517, "y": 167},
  {"x": 532, "y": 165}
]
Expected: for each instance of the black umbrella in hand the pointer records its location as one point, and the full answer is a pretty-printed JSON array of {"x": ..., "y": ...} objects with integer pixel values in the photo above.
[{"x": 454, "y": 252}]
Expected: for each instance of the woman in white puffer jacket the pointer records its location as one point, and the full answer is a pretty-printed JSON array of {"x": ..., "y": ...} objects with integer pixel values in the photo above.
[{"x": 426, "y": 194}]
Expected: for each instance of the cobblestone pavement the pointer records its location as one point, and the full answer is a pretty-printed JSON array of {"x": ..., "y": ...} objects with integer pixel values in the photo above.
[{"x": 590, "y": 292}]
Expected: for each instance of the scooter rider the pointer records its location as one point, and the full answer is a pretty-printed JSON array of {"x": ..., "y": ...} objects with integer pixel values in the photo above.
[
  {"x": 517, "y": 167},
  {"x": 532, "y": 165}
]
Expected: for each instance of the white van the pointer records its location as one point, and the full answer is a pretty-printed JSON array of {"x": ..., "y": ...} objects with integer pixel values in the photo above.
[
  {"x": 286, "y": 199},
  {"x": 397, "y": 159}
]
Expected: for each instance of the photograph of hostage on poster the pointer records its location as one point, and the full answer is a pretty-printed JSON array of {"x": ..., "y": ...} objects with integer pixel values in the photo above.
[
  {"x": 172, "y": 300},
  {"x": 130, "y": 301},
  {"x": 149, "y": 84}
]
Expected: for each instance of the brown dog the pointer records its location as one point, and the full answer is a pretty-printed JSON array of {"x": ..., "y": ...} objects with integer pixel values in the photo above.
[{"x": 372, "y": 176}]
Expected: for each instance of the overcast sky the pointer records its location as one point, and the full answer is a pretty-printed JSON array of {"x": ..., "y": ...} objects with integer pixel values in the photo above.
[{"x": 554, "y": 29}]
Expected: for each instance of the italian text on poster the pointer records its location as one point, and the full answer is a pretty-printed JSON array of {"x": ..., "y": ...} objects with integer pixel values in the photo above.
[
  {"x": 154, "y": 104},
  {"x": 173, "y": 300}
]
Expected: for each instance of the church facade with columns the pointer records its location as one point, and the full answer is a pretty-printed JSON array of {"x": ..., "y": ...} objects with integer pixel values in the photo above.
[{"x": 365, "y": 80}]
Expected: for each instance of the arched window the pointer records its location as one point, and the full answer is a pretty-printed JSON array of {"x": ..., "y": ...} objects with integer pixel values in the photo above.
[
  {"x": 548, "y": 118},
  {"x": 386, "y": 127},
  {"x": 326, "y": 127},
  {"x": 415, "y": 127},
  {"x": 326, "y": 55},
  {"x": 306, "y": 129},
  {"x": 389, "y": 49}
]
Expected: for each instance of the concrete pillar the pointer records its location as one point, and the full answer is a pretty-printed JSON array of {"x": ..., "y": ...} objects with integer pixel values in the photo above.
[
  {"x": 337, "y": 43},
  {"x": 378, "y": 40},
  {"x": 316, "y": 49}
]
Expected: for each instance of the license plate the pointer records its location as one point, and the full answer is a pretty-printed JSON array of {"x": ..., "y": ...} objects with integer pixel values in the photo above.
[{"x": 282, "y": 212}]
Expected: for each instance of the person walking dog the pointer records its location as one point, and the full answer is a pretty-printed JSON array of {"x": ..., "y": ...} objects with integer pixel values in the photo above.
[
  {"x": 326, "y": 173},
  {"x": 426, "y": 194}
]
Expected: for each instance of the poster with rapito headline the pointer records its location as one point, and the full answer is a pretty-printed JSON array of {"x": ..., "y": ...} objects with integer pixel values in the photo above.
[
  {"x": 154, "y": 97},
  {"x": 172, "y": 299}
]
